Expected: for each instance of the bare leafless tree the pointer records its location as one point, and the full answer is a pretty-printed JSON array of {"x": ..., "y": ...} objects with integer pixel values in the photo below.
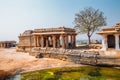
[{"x": 88, "y": 21}]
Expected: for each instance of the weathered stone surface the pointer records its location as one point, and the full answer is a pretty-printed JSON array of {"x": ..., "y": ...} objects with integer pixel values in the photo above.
[{"x": 76, "y": 56}]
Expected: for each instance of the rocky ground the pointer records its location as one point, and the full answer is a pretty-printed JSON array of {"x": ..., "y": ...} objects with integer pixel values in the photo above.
[{"x": 13, "y": 61}]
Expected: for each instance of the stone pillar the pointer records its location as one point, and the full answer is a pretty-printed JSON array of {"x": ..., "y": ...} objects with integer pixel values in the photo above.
[
  {"x": 71, "y": 39},
  {"x": 51, "y": 41},
  {"x": 2, "y": 45},
  {"x": 104, "y": 42},
  {"x": 66, "y": 41},
  {"x": 5, "y": 45},
  {"x": 42, "y": 41},
  {"x": 58, "y": 41},
  {"x": 54, "y": 41},
  {"x": 35, "y": 41},
  {"x": 47, "y": 42},
  {"x": 39, "y": 39},
  {"x": 117, "y": 41},
  {"x": 63, "y": 41}
]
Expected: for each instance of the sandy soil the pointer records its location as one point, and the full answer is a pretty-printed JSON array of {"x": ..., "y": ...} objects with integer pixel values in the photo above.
[{"x": 10, "y": 60}]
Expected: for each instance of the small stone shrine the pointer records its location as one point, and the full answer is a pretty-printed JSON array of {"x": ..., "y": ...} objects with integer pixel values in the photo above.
[
  {"x": 61, "y": 37},
  {"x": 7, "y": 44},
  {"x": 111, "y": 37}
]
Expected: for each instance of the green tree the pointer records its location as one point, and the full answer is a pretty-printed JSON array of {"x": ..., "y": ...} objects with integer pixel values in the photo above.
[{"x": 88, "y": 21}]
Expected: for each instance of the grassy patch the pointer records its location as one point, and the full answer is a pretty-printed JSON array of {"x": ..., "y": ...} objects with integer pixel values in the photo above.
[{"x": 74, "y": 73}]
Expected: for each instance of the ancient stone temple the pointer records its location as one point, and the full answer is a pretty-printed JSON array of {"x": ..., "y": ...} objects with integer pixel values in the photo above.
[
  {"x": 7, "y": 44},
  {"x": 111, "y": 37},
  {"x": 52, "y": 37}
]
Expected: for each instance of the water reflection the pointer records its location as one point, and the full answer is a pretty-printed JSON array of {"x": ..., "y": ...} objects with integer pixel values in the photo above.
[{"x": 16, "y": 77}]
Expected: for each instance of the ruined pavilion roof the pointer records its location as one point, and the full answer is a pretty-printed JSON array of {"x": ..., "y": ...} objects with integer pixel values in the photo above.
[
  {"x": 48, "y": 31},
  {"x": 112, "y": 30},
  {"x": 27, "y": 33}
]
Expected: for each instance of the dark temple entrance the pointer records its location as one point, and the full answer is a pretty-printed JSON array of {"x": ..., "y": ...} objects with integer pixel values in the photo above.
[{"x": 111, "y": 41}]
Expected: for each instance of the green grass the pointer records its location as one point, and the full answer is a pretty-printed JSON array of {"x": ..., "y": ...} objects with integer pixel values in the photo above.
[{"x": 74, "y": 73}]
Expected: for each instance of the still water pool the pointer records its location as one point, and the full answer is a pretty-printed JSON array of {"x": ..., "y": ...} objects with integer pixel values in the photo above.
[{"x": 74, "y": 73}]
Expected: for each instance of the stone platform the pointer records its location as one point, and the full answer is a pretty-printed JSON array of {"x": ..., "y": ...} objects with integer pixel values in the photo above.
[{"x": 75, "y": 55}]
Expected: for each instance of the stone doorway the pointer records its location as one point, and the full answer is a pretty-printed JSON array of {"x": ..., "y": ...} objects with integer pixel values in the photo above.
[{"x": 111, "y": 41}]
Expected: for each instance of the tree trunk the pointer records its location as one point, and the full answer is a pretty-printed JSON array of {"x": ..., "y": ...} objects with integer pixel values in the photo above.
[{"x": 89, "y": 40}]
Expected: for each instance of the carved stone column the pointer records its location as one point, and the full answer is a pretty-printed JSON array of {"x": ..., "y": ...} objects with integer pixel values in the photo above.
[
  {"x": 39, "y": 41},
  {"x": 47, "y": 42},
  {"x": 54, "y": 41},
  {"x": 66, "y": 41},
  {"x": 104, "y": 42},
  {"x": 58, "y": 41},
  {"x": 51, "y": 41},
  {"x": 35, "y": 41},
  {"x": 117, "y": 41},
  {"x": 63, "y": 41},
  {"x": 71, "y": 39},
  {"x": 4, "y": 45},
  {"x": 42, "y": 41},
  {"x": 1, "y": 45}
]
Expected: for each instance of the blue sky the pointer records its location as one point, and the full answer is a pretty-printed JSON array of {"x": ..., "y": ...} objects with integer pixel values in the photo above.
[{"x": 19, "y": 15}]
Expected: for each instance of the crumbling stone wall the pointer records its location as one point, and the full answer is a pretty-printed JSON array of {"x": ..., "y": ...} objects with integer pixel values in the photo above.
[
  {"x": 86, "y": 57},
  {"x": 25, "y": 41}
]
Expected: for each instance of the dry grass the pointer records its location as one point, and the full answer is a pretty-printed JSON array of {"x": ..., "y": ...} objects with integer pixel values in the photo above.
[{"x": 10, "y": 60}]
